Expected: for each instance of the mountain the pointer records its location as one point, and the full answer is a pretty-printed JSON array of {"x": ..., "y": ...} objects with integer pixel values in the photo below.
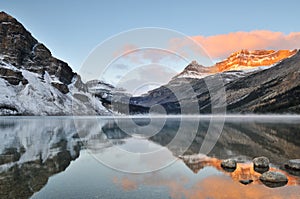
[
  {"x": 245, "y": 59},
  {"x": 273, "y": 89},
  {"x": 237, "y": 61},
  {"x": 33, "y": 82}
]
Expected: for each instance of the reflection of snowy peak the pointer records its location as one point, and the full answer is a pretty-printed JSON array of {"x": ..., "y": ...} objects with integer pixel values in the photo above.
[
  {"x": 35, "y": 148},
  {"x": 33, "y": 82},
  {"x": 25, "y": 140}
]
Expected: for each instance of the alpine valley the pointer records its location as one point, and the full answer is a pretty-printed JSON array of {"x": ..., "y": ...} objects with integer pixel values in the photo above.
[{"x": 33, "y": 82}]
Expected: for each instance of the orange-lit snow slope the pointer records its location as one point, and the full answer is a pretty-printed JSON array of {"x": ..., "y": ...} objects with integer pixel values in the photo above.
[{"x": 241, "y": 60}]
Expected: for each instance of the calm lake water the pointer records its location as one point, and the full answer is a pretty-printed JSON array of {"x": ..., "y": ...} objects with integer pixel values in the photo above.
[{"x": 86, "y": 157}]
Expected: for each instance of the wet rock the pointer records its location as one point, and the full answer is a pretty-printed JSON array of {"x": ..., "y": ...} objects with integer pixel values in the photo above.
[
  {"x": 246, "y": 182},
  {"x": 273, "y": 179},
  {"x": 261, "y": 169},
  {"x": 293, "y": 164},
  {"x": 229, "y": 165},
  {"x": 292, "y": 172},
  {"x": 261, "y": 162}
]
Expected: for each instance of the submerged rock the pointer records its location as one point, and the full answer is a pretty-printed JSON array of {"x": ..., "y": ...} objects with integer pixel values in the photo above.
[
  {"x": 246, "y": 182},
  {"x": 273, "y": 179},
  {"x": 229, "y": 165},
  {"x": 261, "y": 162},
  {"x": 293, "y": 164}
]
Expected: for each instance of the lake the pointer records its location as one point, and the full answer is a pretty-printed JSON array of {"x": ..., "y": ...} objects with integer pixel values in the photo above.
[{"x": 140, "y": 157}]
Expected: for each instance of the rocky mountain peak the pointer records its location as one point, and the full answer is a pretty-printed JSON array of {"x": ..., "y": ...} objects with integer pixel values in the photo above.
[
  {"x": 19, "y": 48},
  {"x": 237, "y": 61},
  {"x": 244, "y": 59},
  {"x": 194, "y": 70},
  {"x": 33, "y": 82},
  {"x": 16, "y": 41},
  {"x": 194, "y": 62},
  {"x": 6, "y": 17}
]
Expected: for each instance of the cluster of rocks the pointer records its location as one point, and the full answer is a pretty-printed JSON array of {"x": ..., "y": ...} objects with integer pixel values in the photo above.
[{"x": 261, "y": 165}]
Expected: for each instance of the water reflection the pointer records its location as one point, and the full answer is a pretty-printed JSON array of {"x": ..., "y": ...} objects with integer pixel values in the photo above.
[{"x": 34, "y": 149}]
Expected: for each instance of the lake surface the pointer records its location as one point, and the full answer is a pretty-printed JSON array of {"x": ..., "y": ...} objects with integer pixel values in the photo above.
[{"x": 87, "y": 157}]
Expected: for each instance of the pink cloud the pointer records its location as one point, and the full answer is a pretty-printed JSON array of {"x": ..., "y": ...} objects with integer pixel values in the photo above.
[{"x": 220, "y": 46}]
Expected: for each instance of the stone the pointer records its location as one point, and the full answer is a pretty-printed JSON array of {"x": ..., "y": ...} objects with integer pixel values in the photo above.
[
  {"x": 246, "y": 182},
  {"x": 261, "y": 162},
  {"x": 229, "y": 164},
  {"x": 273, "y": 179},
  {"x": 293, "y": 164},
  {"x": 261, "y": 170}
]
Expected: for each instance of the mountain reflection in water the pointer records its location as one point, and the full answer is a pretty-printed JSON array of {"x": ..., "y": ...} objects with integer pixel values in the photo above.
[{"x": 34, "y": 149}]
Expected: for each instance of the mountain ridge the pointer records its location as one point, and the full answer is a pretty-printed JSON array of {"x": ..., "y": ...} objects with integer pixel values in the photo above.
[
  {"x": 240, "y": 60},
  {"x": 272, "y": 90},
  {"x": 33, "y": 82}
]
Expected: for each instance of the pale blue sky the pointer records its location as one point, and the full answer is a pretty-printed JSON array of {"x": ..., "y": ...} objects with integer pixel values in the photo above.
[{"x": 72, "y": 28}]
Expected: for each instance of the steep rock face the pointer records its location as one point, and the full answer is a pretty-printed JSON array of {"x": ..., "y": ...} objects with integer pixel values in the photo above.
[
  {"x": 251, "y": 59},
  {"x": 19, "y": 48},
  {"x": 273, "y": 90},
  {"x": 241, "y": 60},
  {"x": 33, "y": 82}
]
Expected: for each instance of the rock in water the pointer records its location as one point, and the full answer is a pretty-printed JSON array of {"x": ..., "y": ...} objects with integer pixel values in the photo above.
[
  {"x": 273, "y": 179},
  {"x": 261, "y": 170},
  {"x": 229, "y": 165},
  {"x": 293, "y": 164},
  {"x": 261, "y": 162},
  {"x": 246, "y": 182}
]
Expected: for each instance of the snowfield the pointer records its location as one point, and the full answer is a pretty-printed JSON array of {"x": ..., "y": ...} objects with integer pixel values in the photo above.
[{"x": 39, "y": 97}]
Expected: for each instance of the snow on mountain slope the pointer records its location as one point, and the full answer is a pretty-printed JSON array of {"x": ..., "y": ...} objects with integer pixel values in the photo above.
[
  {"x": 40, "y": 97},
  {"x": 33, "y": 82},
  {"x": 244, "y": 61}
]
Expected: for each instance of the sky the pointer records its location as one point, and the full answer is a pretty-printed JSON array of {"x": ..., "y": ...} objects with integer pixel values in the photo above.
[{"x": 72, "y": 29}]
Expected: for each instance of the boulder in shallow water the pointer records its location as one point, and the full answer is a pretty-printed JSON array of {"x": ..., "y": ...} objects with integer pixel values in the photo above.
[
  {"x": 273, "y": 179},
  {"x": 229, "y": 164},
  {"x": 293, "y": 164},
  {"x": 261, "y": 162}
]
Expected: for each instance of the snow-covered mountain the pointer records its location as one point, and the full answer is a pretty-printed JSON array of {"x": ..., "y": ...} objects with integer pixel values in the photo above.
[
  {"x": 273, "y": 89},
  {"x": 243, "y": 61},
  {"x": 33, "y": 82}
]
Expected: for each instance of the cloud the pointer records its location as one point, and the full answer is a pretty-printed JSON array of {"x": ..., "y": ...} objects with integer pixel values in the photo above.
[
  {"x": 128, "y": 48},
  {"x": 137, "y": 55},
  {"x": 220, "y": 46},
  {"x": 149, "y": 76}
]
